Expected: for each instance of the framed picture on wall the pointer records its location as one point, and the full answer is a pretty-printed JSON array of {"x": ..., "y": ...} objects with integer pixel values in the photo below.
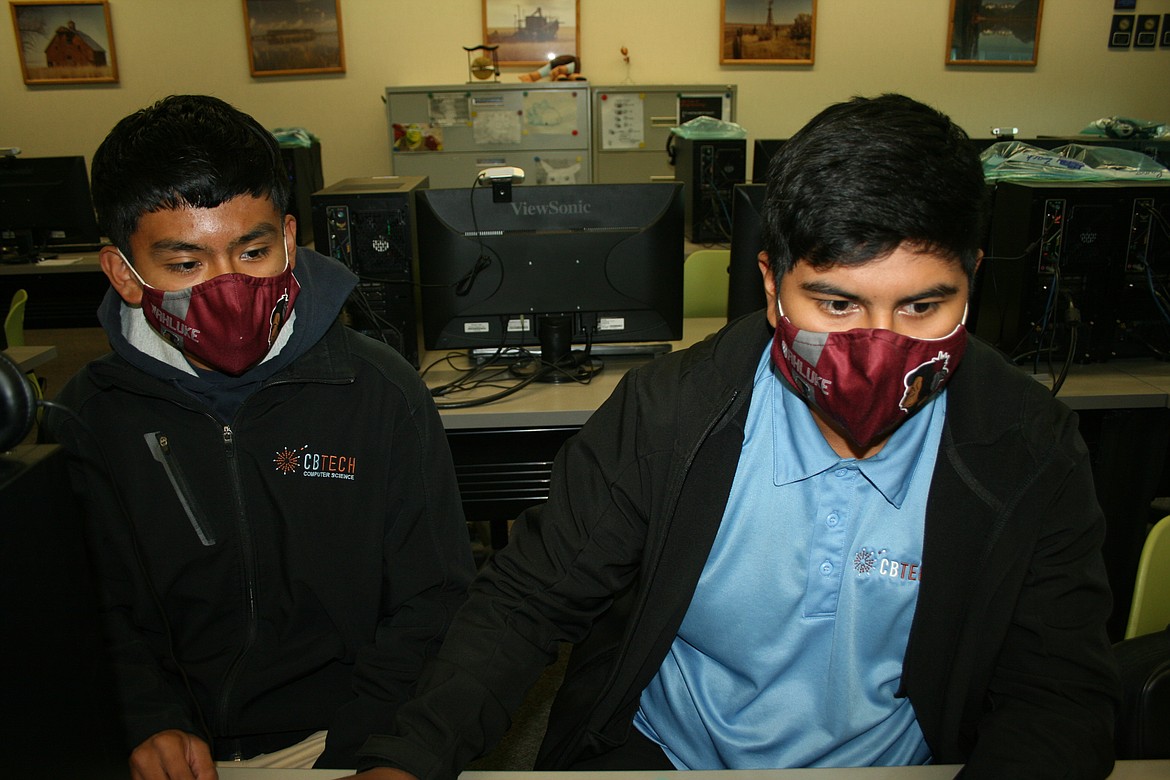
[
  {"x": 992, "y": 32},
  {"x": 532, "y": 33},
  {"x": 767, "y": 32},
  {"x": 294, "y": 37},
  {"x": 68, "y": 42}
]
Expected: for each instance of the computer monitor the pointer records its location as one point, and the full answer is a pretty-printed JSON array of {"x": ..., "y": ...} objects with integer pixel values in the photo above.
[
  {"x": 553, "y": 266},
  {"x": 745, "y": 285},
  {"x": 763, "y": 149},
  {"x": 45, "y": 204}
]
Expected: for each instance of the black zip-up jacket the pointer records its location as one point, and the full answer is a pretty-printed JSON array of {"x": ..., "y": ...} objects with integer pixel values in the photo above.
[
  {"x": 1008, "y": 665},
  {"x": 308, "y": 553}
]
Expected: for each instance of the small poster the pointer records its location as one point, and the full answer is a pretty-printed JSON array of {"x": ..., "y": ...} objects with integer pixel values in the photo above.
[
  {"x": 448, "y": 110},
  {"x": 622, "y": 122},
  {"x": 550, "y": 113},
  {"x": 496, "y": 127},
  {"x": 417, "y": 137},
  {"x": 694, "y": 106}
]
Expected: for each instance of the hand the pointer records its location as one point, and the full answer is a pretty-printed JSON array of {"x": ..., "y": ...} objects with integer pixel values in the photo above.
[
  {"x": 385, "y": 773},
  {"x": 172, "y": 755}
]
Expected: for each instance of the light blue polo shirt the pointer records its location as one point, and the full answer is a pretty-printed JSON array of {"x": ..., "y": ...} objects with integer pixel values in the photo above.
[{"x": 791, "y": 649}]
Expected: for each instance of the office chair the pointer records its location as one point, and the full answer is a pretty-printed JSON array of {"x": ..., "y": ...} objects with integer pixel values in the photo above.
[
  {"x": 1143, "y": 657},
  {"x": 14, "y": 334},
  {"x": 1150, "y": 608},
  {"x": 705, "y": 283}
]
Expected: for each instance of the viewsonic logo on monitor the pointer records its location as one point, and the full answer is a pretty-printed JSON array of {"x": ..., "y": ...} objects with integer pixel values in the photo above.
[{"x": 525, "y": 209}]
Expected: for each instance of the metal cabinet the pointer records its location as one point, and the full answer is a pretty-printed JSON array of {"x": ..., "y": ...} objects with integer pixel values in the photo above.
[
  {"x": 631, "y": 126},
  {"x": 451, "y": 133}
]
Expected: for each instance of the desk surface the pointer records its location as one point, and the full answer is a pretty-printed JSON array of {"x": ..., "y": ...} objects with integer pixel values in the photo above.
[
  {"x": 1124, "y": 770},
  {"x": 1118, "y": 384},
  {"x": 541, "y": 405},
  {"x": 62, "y": 264},
  {"x": 28, "y": 358}
]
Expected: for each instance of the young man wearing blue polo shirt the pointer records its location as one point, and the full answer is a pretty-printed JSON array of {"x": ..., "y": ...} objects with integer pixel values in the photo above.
[{"x": 838, "y": 533}]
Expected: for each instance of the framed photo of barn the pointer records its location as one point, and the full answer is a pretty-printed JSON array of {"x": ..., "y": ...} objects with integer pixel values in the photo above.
[
  {"x": 68, "y": 42},
  {"x": 532, "y": 32},
  {"x": 767, "y": 32},
  {"x": 294, "y": 37}
]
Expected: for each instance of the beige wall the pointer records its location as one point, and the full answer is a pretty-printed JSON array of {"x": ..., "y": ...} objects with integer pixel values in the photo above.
[{"x": 862, "y": 47}]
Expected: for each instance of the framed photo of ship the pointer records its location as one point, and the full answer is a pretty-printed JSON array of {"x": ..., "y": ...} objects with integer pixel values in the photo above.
[
  {"x": 65, "y": 43},
  {"x": 532, "y": 33},
  {"x": 294, "y": 37},
  {"x": 767, "y": 32},
  {"x": 992, "y": 32}
]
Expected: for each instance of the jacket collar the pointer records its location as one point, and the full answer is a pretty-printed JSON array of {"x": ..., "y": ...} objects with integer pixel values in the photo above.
[{"x": 330, "y": 360}]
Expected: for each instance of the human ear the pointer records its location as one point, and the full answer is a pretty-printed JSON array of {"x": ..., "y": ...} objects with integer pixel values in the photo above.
[
  {"x": 122, "y": 279},
  {"x": 770, "y": 289},
  {"x": 290, "y": 239}
]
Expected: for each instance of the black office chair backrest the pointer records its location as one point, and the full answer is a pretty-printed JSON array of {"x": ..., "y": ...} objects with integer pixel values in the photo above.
[
  {"x": 1143, "y": 722},
  {"x": 18, "y": 404}
]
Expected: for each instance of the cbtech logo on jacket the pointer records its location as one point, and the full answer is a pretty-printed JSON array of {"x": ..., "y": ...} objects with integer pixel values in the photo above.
[{"x": 315, "y": 464}]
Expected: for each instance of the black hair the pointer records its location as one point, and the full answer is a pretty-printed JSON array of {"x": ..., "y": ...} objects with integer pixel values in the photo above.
[
  {"x": 868, "y": 175},
  {"x": 185, "y": 150}
]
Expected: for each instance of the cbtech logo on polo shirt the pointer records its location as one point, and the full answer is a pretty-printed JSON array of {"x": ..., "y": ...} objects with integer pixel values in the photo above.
[
  {"x": 869, "y": 562},
  {"x": 305, "y": 463}
]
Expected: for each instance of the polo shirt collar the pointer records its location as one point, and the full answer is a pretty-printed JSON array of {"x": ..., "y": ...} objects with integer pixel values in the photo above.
[{"x": 800, "y": 451}]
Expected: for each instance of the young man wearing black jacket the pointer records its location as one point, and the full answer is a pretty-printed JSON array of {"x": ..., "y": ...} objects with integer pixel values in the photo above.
[
  {"x": 272, "y": 503},
  {"x": 840, "y": 532}
]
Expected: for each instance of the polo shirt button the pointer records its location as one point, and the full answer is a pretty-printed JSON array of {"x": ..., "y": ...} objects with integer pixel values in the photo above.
[
  {"x": 832, "y": 519},
  {"x": 841, "y": 472},
  {"x": 826, "y": 568}
]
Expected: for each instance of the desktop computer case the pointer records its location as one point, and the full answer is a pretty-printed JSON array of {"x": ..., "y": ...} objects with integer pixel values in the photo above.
[
  {"x": 1100, "y": 243},
  {"x": 709, "y": 169},
  {"x": 367, "y": 223}
]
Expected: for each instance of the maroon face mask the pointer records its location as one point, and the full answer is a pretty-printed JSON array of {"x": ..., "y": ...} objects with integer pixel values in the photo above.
[
  {"x": 229, "y": 322},
  {"x": 869, "y": 381}
]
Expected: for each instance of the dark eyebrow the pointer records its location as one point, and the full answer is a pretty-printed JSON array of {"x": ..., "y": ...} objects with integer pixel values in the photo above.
[
  {"x": 938, "y": 291},
  {"x": 825, "y": 288},
  {"x": 176, "y": 245},
  {"x": 262, "y": 230}
]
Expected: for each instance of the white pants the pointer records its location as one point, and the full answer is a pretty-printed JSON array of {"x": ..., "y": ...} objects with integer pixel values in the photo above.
[{"x": 299, "y": 756}]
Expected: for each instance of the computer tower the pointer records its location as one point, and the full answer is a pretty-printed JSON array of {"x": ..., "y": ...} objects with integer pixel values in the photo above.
[
  {"x": 305, "y": 176},
  {"x": 368, "y": 224},
  {"x": 1083, "y": 256},
  {"x": 1141, "y": 304},
  {"x": 709, "y": 169}
]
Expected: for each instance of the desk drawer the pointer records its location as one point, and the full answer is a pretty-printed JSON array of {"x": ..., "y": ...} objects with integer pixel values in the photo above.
[{"x": 503, "y": 471}]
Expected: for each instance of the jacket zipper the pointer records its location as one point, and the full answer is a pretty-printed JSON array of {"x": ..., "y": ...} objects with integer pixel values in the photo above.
[
  {"x": 636, "y": 614},
  {"x": 247, "y": 554},
  {"x": 160, "y": 447}
]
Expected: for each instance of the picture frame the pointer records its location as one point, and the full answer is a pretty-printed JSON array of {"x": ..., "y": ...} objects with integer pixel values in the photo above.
[
  {"x": 65, "y": 42},
  {"x": 986, "y": 32},
  {"x": 294, "y": 37},
  {"x": 534, "y": 32},
  {"x": 767, "y": 32}
]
